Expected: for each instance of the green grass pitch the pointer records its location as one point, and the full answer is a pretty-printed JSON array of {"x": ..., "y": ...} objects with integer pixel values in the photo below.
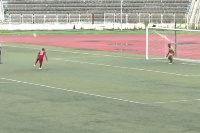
[{"x": 89, "y": 91}]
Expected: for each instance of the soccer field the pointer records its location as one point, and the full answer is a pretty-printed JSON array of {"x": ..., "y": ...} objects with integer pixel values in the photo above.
[{"x": 94, "y": 91}]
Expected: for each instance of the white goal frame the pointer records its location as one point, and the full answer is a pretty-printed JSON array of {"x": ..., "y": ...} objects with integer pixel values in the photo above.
[{"x": 167, "y": 29}]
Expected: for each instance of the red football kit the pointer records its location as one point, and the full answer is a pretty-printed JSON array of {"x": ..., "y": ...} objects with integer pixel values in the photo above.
[{"x": 40, "y": 57}]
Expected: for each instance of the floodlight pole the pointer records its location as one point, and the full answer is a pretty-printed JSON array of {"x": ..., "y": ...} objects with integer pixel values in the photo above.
[{"x": 121, "y": 13}]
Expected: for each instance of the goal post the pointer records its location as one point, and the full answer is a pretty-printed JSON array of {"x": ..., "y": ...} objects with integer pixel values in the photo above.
[{"x": 185, "y": 42}]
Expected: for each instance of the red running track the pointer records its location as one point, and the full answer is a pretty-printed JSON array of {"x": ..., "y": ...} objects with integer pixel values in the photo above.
[
  {"x": 111, "y": 42},
  {"x": 134, "y": 43}
]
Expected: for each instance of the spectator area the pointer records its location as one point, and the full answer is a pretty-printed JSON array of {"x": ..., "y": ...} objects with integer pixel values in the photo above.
[{"x": 59, "y": 11}]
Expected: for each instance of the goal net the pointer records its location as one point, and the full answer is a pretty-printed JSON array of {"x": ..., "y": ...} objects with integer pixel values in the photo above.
[{"x": 186, "y": 43}]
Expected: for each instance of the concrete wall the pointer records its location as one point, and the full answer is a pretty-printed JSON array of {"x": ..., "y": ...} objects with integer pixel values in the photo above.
[{"x": 82, "y": 26}]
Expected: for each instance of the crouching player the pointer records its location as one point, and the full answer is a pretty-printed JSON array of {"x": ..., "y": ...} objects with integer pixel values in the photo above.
[
  {"x": 170, "y": 53},
  {"x": 40, "y": 57}
]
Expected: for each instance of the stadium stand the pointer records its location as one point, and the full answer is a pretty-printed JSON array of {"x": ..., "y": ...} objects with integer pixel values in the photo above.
[{"x": 96, "y": 11}]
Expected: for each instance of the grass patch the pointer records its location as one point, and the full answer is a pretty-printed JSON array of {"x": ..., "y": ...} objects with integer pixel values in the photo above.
[{"x": 94, "y": 93}]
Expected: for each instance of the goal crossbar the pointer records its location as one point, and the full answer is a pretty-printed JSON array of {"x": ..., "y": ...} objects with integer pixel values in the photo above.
[{"x": 186, "y": 43}]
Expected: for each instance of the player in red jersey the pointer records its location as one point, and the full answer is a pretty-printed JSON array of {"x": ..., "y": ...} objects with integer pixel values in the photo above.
[{"x": 40, "y": 57}]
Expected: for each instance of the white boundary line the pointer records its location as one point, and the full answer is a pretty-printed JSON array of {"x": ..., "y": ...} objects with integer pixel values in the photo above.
[
  {"x": 166, "y": 61},
  {"x": 68, "y": 90},
  {"x": 95, "y": 95},
  {"x": 184, "y": 75},
  {"x": 6, "y": 82},
  {"x": 74, "y": 52},
  {"x": 132, "y": 68},
  {"x": 101, "y": 55}
]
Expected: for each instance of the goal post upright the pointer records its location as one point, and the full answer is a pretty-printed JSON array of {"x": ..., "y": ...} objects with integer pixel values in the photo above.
[
  {"x": 175, "y": 40},
  {"x": 147, "y": 42},
  {"x": 186, "y": 43}
]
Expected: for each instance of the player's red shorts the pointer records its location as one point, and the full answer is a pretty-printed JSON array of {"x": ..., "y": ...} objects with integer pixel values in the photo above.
[{"x": 40, "y": 60}]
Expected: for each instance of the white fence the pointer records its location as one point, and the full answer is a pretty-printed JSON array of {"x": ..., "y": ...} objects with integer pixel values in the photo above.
[
  {"x": 145, "y": 18},
  {"x": 49, "y": 18},
  {"x": 91, "y": 21}
]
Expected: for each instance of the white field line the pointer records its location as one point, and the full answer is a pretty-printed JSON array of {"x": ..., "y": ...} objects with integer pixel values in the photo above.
[
  {"x": 131, "y": 68},
  {"x": 68, "y": 90},
  {"x": 190, "y": 64},
  {"x": 73, "y": 52},
  {"x": 96, "y": 95},
  {"x": 184, "y": 75},
  {"x": 6, "y": 82},
  {"x": 99, "y": 55},
  {"x": 166, "y": 61}
]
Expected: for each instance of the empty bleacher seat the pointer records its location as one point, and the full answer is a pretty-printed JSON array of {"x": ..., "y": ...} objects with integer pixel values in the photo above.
[{"x": 97, "y": 7}]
